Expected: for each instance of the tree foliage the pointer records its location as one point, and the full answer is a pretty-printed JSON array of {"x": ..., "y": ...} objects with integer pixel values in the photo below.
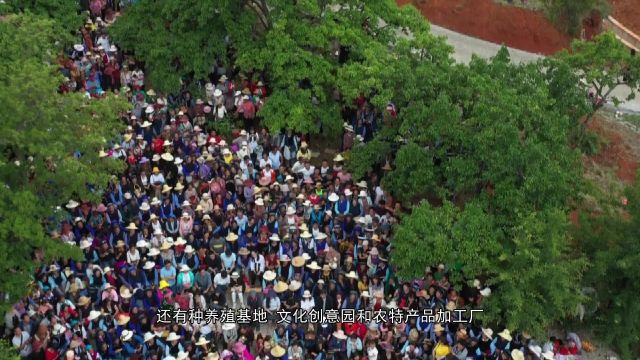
[
  {"x": 48, "y": 148},
  {"x": 568, "y": 15},
  {"x": 604, "y": 65},
  {"x": 66, "y": 14},
  {"x": 610, "y": 241},
  {"x": 317, "y": 55},
  {"x": 491, "y": 138}
]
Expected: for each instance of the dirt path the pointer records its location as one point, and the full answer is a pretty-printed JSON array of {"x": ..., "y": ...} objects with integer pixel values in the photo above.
[
  {"x": 513, "y": 26},
  {"x": 628, "y": 13}
]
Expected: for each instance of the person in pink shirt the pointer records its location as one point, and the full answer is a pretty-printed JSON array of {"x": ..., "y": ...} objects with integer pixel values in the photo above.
[{"x": 185, "y": 225}]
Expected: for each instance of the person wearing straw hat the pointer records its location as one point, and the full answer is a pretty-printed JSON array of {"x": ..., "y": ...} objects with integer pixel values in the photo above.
[
  {"x": 237, "y": 289},
  {"x": 278, "y": 352},
  {"x": 168, "y": 272},
  {"x": 502, "y": 343},
  {"x": 307, "y": 302},
  {"x": 173, "y": 346},
  {"x": 186, "y": 278}
]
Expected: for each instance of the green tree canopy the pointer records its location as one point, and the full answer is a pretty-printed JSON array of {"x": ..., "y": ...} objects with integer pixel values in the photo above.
[
  {"x": 68, "y": 18},
  {"x": 491, "y": 138},
  {"x": 610, "y": 242},
  {"x": 604, "y": 65},
  {"x": 48, "y": 148},
  {"x": 297, "y": 44}
]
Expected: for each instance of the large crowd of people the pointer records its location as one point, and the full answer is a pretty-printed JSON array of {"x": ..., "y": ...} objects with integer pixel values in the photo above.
[{"x": 200, "y": 223}]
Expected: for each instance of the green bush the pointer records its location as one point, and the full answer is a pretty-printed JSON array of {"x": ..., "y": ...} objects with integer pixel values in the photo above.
[{"x": 568, "y": 15}]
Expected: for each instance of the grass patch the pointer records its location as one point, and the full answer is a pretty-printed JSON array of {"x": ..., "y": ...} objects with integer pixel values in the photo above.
[{"x": 632, "y": 119}]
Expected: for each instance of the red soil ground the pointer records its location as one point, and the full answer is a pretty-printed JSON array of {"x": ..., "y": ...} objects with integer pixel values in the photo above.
[
  {"x": 621, "y": 151},
  {"x": 628, "y": 13},
  {"x": 515, "y": 27}
]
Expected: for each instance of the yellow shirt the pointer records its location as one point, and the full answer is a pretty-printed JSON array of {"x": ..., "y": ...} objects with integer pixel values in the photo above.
[{"x": 441, "y": 351}]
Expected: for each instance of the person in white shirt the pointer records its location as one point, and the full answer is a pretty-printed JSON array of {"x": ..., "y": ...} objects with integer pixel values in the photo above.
[
  {"x": 307, "y": 302},
  {"x": 157, "y": 180},
  {"x": 22, "y": 342},
  {"x": 324, "y": 168},
  {"x": 257, "y": 265},
  {"x": 222, "y": 279},
  {"x": 308, "y": 170},
  {"x": 133, "y": 256},
  {"x": 276, "y": 158},
  {"x": 157, "y": 177},
  {"x": 265, "y": 160}
]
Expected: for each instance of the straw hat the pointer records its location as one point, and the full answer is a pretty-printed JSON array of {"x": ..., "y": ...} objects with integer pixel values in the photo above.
[
  {"x": 295, "y": 285},
  {"x": 145, "y": 206},
  {"x": 182, "y": 355},
  {"x": 72, "y": 204},
  {"x": 59, "y": 329},
  {"x": 487, "y": 332},
  {"x": 281, "y": 287},
  {"x": 123, "y": 320},
  {"x": 307, "y": 294},
  {"x": 548, "y": 355},
  {"x": 232, "y": 237},
  {"x": 334, "y": 197},
  {"x": 84, "y": 301},
  {"x": 228, "y": 326},
  {"x": 149, "y": 265},
  {"x": 142, "y": 244},
  {"x": 125, "y": 293},
  {"x": 185, "y": 268},
  {"x": 505, "y": 334},
  {"x": 291, "y": 211},
  {"x": 94, "y": 314},
  {"x": 314, "y": 266},
  {"x": 153, "y": 252},
  {"x": 126, "y": 335},
  {"x": 365, "y": 294},
  {"x": 269, "y": 275},
  {"x": 516, "y": 354},
  {"x": 339, "y": 335},
  {"x": 298, "y": 261},
  {"x": 202, "y": 341},
  {"x": 173, "y": 337},
  {"x": 167, "y": 157},
  {"x": 148, "y": 336},
  {"x": 213, "y": 356},
  {"x": 243, "y": 251},
  {"x": 274, "y": 237},
  {"x": 438, "y": 328},
  {"x": 189, "y": 249},
  {"x": 338, "y": 158},
  {"x": 352, "y": 275},
  {"x": 278, "y": 351}
]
